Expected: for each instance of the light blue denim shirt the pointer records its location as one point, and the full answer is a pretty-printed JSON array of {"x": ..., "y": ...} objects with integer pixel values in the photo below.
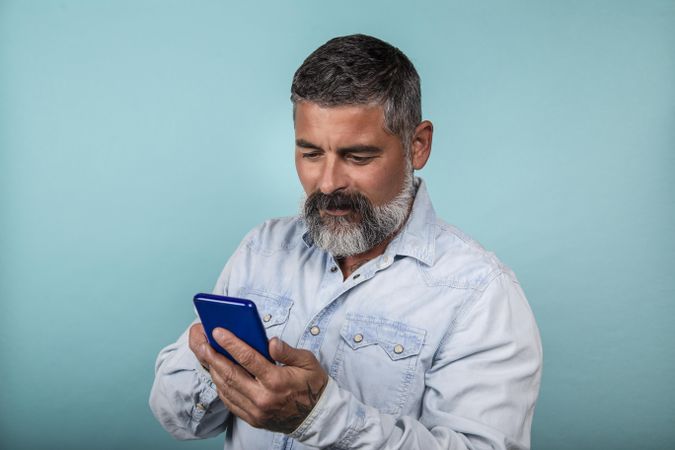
[{"x": 430, "y": 345}]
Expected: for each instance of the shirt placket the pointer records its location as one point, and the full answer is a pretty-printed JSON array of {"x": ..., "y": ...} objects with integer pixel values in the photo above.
[{"x": 313, "y": 335}]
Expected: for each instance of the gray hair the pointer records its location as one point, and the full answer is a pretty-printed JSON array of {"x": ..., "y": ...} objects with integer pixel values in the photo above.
[{"x": 362, "y": 70}]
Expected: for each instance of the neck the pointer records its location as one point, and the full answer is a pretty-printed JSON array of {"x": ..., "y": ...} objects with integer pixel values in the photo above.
[{"x": 350, "y": 264}]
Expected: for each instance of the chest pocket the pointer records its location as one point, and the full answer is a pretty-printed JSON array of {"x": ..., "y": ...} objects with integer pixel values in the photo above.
[
  {"x": 376, "y": 360},
  {"x": 274, "y": 309}
]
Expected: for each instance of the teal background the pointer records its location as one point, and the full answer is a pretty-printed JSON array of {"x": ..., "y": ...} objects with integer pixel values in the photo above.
[{"x": 140, "y": 140}]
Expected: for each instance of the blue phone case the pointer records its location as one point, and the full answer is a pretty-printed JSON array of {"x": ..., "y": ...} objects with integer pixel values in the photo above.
[{"x": 237, "y": 315}]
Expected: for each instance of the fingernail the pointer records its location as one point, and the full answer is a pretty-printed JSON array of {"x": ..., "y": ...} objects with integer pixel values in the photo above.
[
  {"x": 218, "y": 333},
  {"x": 278, "y": 343}
]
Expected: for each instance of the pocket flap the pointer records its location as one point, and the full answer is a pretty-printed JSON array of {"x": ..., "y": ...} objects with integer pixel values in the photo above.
[
  {"x": 273, "y": 309},
  {"x": 397, "y": 339}
]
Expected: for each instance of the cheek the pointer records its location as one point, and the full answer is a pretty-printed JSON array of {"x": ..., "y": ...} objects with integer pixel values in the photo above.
[
  {"x": 385, "y": 183},
  {"x": 304, "y": 175}
]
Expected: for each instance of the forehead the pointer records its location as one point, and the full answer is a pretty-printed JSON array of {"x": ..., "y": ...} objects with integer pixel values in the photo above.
[{"x": 351, "y": 122}]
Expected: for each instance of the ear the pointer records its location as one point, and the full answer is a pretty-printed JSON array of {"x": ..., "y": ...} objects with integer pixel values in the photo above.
[{"x": 421, "y": 144}]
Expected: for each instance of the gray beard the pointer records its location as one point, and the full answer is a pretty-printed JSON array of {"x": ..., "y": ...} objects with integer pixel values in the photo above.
[{"x": 341, "y": 237}]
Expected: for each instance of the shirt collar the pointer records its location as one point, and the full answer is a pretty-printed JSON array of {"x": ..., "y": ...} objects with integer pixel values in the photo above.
[{"x": 416, "y": 239}]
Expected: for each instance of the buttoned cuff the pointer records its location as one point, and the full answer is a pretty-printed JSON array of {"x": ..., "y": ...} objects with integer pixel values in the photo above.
[
  {"x": 204, "y": 375},
  {"x": 316, "y": 412},
  {"x": 335, "y": 420},
  {"x": 206, "y": 395}
]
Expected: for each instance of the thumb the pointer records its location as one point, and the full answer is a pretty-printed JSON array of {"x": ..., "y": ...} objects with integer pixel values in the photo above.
[{"x": 289, "y": 356}]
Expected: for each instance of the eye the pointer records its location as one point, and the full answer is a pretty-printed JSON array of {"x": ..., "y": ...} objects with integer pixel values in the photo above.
[
  {"x": 311, "y": 155},
  {"x": 360, "y": 159}
]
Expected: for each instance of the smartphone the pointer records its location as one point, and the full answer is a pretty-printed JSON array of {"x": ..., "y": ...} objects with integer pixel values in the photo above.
[{"x": 237, "y": 315}]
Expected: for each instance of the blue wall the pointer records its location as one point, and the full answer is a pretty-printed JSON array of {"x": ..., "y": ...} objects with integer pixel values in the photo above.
[{"x": 140, "y": 140}]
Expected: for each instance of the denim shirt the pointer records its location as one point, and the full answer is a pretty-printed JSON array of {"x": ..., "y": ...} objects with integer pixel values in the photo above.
[{"x": 430, "y": 345}]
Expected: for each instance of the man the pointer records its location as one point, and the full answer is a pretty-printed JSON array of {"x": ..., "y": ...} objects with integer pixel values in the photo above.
[{"x": 390, "y": 328}]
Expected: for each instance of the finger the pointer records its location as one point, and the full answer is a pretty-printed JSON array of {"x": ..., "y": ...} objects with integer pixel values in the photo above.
[
  {"x": 198, "y": 342},
  {"x": 244, "y": 354},
  {"x": 208, "y": 356},
  {"x": 234, "y": 407},
  {"x": 233, "y": 376},
  {"x": 233, "y": 398},
  {"x": 196, "y": 335},
  {"x": 287, "y": 355},
  {"x": 201, "y": 347}
]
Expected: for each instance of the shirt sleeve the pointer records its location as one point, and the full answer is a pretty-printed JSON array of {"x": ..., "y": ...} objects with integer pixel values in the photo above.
[
  {"x": 183, "y": 397},
  {"x": 480, "y": 392}
]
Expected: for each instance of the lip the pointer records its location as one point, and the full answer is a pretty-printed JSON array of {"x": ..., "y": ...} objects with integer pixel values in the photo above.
[{"x": 337, "y": 212}]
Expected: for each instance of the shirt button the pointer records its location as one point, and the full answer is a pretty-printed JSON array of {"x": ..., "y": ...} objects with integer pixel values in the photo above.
[
  {"x": 315, "y": 330},
  {"x": 333, "y": 269},
  {"x": 200, "y": 406},
  {"x": 358, "y": 338},
  {"x": 267, "y": 317},
  {"x": 385, "y": 259},
  {"x": 398, "y": 349},
  {"x": 356, "y": 276}
]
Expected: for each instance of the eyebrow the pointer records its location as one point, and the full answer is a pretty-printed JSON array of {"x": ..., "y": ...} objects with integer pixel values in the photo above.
[{"x": 358, "y": 148}]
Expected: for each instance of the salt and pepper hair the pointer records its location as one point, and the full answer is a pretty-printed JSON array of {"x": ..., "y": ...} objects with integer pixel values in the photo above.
[{"x": 362, "y": 70}]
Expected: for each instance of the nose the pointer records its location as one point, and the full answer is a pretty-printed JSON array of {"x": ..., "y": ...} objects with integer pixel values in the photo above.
[{"x": 333, "y": 176}]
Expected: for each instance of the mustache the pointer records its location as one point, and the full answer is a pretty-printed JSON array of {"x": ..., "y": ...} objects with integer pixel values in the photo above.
[{"x": 355, "y": 201}]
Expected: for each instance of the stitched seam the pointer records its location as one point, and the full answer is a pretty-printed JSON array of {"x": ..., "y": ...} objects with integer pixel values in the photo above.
[
  {"x": 472, "y": 299},
  {"x": 254, "y": 243},
  {"x": 411, "y": 336},
  {"x": 351, "y": 433},
  {"x": 379, "y": 321},
  {"x": 337, "y": 361},
  {"x": 404, "y": 387}
]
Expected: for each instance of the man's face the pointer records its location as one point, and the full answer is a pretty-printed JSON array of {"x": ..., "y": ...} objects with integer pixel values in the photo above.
[{"x": 355, "y": 174}]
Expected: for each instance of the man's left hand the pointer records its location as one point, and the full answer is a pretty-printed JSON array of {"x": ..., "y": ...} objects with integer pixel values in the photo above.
[{"x": 277, "y": 398}]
